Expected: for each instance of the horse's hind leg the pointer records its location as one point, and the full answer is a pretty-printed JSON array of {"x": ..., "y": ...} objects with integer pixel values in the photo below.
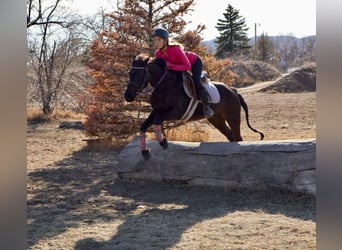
[
  {"x": 234, "y": 121},
  {"x": 220, "y": 124},
  {"x": 234, "y": 125}
]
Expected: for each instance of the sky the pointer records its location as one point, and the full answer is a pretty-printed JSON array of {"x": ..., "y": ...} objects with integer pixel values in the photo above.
[{"x": 274, "y": 17}]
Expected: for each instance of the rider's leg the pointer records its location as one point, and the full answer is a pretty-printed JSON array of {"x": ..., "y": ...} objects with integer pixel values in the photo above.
[{"x": 196, "y": 70}]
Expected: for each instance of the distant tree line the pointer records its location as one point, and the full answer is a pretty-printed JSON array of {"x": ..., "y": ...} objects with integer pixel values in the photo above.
[{"x": 283, "y": 53}]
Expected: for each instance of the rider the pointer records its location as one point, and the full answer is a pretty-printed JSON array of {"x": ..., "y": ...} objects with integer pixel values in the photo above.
[{"x": 179, "y": 60}]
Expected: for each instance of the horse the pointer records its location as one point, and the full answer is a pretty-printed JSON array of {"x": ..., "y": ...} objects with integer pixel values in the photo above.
[{"x": 169, "y": 101}]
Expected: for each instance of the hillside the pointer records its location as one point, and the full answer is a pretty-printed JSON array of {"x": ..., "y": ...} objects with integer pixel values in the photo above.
[{"x": 211, "y": 45}]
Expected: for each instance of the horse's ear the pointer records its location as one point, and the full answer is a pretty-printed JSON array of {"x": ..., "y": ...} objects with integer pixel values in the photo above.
[{"x": 146, "y": 60}]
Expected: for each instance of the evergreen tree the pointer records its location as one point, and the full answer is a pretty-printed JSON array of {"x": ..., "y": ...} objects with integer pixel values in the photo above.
[
  {"x": 265, "y": 48},
  {"x": 233, "y": 38}
]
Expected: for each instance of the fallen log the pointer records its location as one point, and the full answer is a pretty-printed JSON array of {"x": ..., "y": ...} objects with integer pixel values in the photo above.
[
  {"x": 71, "y": 124},
  {"x": 258, "y": 165}
]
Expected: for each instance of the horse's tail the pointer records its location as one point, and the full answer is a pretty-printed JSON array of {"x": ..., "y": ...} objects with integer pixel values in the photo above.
[{"x": 245, "y": 107}]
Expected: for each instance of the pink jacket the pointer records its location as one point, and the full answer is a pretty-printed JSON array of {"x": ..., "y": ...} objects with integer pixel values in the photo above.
[{"x": 176, "y": 58}]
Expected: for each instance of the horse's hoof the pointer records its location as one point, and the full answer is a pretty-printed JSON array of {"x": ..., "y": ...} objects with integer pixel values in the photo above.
[
  {"x": 164, "y": 144},
  {"x": 146, "y": 154}
]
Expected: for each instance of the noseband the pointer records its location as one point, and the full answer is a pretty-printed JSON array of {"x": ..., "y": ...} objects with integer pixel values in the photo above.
[
  {"x": 145, "y": 81},
  {"x": 147, "y": 78}
]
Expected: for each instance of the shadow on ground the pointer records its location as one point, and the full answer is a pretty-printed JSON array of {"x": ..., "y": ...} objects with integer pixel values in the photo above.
[
  {"x": 157, "y": 228},
  {"x": 68, "y": 194}
]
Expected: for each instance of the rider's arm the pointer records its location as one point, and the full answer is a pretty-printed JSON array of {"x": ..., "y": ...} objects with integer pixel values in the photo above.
[{"x": 177, "y": 60}]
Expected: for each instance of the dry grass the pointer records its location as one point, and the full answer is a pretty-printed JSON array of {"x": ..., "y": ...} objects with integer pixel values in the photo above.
[
  {"x": 290, "y": 115},
  {"x": 37, "y": 115},
  {"x": 193, "y": 132},
  {"x": 75, "y": 200},
  {"x": 279, "y": 116}
]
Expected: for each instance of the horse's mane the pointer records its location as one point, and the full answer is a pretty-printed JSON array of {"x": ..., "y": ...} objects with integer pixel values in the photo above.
[
  {"x": 175, "y": 75},
  {"x": 159, "y": 61},
  {"x": 140, "y": 60},
  {"x": 141, "y": 57},
  {"x": 144, "y": 57}
]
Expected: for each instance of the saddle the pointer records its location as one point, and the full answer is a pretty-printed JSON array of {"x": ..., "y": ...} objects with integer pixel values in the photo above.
[
  {"x": 189, "y": 85},
  {"x": 190, "y": 90}
]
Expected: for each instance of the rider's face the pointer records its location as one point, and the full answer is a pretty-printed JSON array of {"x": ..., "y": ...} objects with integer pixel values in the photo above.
[{"x": 159, "y": 42}]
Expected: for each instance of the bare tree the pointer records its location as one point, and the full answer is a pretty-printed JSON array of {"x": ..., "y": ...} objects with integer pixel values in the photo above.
[
  {"x": 306, "y": 48},
  {"x": 294, "y": 52},
  {"x": 54, "y": 45},
  {"x": 286, "y": 52},
  {"x": 39, "y": 14}
]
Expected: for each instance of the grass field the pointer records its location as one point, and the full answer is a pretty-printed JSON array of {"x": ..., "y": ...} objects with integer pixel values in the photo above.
[{"x": 75, "y": 200}]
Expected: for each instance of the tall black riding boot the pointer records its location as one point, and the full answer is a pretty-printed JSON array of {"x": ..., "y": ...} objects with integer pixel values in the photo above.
[{"x": 204, "y": 97}]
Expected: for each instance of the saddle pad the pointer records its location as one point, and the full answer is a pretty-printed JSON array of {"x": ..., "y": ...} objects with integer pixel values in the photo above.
[
  {"x": 213, "y": 92},
  {"x": 189, "y": 87}
]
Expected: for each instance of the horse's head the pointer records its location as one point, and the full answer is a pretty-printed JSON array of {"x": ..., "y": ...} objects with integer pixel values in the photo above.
[{"x": 138, "y": 77}]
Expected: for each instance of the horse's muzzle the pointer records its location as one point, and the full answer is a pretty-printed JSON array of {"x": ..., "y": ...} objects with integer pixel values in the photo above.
[{"x": 129, "y": 97}]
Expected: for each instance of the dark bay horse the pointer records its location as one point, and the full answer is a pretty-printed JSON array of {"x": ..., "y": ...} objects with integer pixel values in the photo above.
[{"x": 169, "y": 101}]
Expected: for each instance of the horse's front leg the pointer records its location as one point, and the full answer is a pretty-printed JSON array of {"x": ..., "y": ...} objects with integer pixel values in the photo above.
[
  {"x": 159, "y": 135},
  {"x": 145, "y": 151}
]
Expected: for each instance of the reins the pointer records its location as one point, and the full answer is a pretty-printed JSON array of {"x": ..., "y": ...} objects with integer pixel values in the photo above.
[
  {"x": 145, "y": 90},
  {"x": 160, "y": 80}
]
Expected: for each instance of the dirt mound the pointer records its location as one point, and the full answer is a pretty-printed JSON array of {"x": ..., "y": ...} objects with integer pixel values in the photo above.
[
  {"x": 300, "y": 80},
  {"x": 247, "y": 73}
]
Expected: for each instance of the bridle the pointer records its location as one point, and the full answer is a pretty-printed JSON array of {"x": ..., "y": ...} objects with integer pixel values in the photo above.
[
  {"x": 145, "y": 81},
  {"x": 147, "y": 78}
]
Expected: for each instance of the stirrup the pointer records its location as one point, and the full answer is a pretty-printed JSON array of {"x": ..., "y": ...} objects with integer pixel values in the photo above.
[{"x": 208, "y": 112}]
